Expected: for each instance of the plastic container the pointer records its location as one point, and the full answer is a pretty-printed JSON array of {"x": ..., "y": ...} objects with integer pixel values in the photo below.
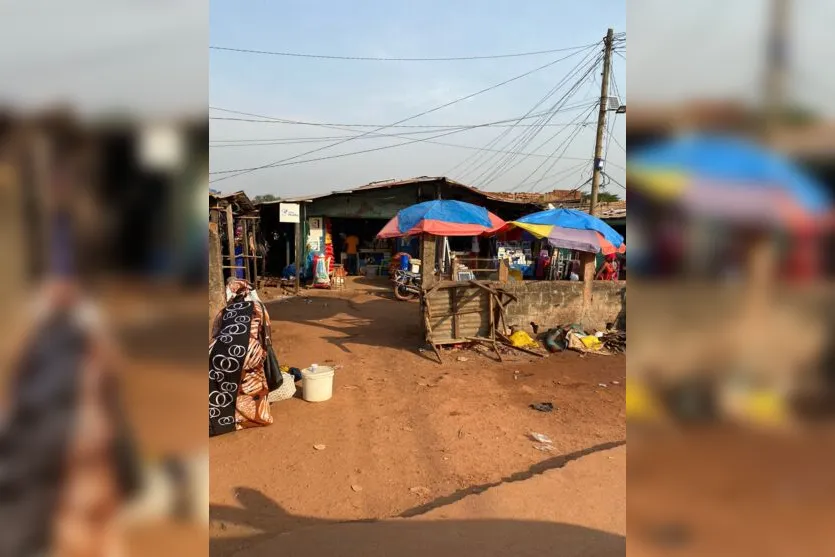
[{"x": 317, "y": 383}]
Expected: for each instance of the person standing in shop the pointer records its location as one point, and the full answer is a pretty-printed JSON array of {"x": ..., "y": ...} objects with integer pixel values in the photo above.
[{"x": 351, "y": 245}]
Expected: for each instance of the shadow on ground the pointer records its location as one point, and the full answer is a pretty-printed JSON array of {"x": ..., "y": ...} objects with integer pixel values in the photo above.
[
  {"x": 405, "y": 538},
  {"x": 276, "y": 530},
  {"x": 374, "y": 321}
]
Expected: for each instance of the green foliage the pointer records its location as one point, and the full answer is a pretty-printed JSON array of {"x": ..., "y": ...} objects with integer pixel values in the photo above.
[
  {"x": 603, "y": 197},
  {"x": 264, "y": 198}
]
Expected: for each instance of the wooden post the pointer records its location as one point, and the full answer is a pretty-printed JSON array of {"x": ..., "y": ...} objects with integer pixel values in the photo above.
[
  {"x": 247, "y": 260},
  {"x": 455, "y": 266},
  {"x": 504, "y": 271},
  {"x": 230, "y": 238},
  {"x": 456, "y": 319},
  {"x": 217, "y": 290},
  {"x": 492, "y": 317},
  {"x": 287, "y": 252},
  {"x": 428, "y": 254},
  {"x": 761, "y": 269},
  {"x": 588, "y": 268},
  {"x": 298, "y": 228}
]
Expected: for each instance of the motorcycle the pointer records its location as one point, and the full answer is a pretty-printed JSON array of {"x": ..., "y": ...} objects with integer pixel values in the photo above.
[{"x": 407, "y": 285}]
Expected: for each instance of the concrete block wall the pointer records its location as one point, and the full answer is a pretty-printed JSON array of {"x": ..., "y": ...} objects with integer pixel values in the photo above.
[{"x": 552, "y": 303}]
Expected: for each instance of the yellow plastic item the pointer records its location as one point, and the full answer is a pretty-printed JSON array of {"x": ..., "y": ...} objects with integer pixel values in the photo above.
[
  {"x": 516, "y": 275},
  {"x": 641, "y": 403},
  {"x": 591, "y": 342},
  {"x": 766, "y": 408},
  {"x": 521, "y": 339}
]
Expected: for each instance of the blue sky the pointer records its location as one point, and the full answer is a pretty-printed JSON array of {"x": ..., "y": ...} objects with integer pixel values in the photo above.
[{"x": 373, "y": 92}]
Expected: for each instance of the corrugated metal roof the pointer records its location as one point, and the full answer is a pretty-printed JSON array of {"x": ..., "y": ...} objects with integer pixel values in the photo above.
[
  {"x": 239, "y": 197},
  {"x": 521, "y": 199},
  {"x": 605, "y": 209}
]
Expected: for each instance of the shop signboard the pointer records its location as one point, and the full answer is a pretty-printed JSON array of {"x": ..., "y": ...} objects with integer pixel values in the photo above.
[{"x": 288, "y": 212}]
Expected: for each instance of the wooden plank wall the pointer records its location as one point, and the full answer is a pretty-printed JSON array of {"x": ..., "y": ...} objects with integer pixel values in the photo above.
[{"x": 456, "y": 313}]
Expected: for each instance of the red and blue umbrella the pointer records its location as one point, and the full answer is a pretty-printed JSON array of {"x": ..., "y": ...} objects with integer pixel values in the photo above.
[
  {"x": 442, "y": 218},
  {"x": 730, "y": 178},
  {"x": 573, "y": 229}
]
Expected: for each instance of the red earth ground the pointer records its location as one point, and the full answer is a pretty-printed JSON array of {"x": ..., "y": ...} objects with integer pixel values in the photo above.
[{"x": 404, "y": 435}]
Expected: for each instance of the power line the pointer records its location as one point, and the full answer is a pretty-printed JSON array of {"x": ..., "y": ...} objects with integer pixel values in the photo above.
[
  {"x": 391, "y": 59},
  {"x": 269, "y": 120},
  {"x": 527, "y": 138},
  {"x": 583, "y": 183},
  {"x": 615, "y": 139},
  {"x": 404, "y": 135},
  {"x": 295, "y": 162},
  {"x": 506, "y": 166},
  {"x": 565, "y": 145},
  {"x": 239, "y": 172},
  {"x": 321, "y": 139},
  {"x": 471, "y": 163},
  {"x": 559, "y": 173},
  {"x": 615, "y": 181},
  {"x": 373, "y": 136},
  {"x": 474, "y": 166}
]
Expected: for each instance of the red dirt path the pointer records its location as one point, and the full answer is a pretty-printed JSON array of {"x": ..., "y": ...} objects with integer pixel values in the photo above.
[{"x": 398, "y": 420}]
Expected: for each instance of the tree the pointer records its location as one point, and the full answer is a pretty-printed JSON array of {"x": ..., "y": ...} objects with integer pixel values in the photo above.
[
  {"x": 603, "y": 197},
  {"x": 265, "y": 198}
]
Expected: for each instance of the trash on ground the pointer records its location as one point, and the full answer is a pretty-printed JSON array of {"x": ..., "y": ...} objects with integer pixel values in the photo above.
[
  {"x": 615, "y": 382},
  {"x": 604, "y": 385},
  {"x": 356, "y": 488},
  {"x": 591, "y": 342},
  {"x": 541, "y": 437},
  {"x": 614, "y": 341},
  {"x": 286, "y": 391},
  {"x": 543, "y": 406},
  {"x": 420, "y": 490},
  {"x": 463, "y": 359},
  {"x": 555, "y": 340},
  {"x": 544, "y": 448},
  {"x": 320, "y": 447},
  {"x": 521, "y": 339}
]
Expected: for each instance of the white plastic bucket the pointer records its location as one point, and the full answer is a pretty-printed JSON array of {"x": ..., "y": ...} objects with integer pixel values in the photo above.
[{"x": 317, "y": 383}]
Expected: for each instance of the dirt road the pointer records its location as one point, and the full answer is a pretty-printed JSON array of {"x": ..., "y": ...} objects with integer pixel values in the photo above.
[
  {"x": 403, "y": 435},
  {"x": 578, "y": 509}
]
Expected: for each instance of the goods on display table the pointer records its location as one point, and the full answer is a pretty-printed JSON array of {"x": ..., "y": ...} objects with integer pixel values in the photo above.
[{"x": 518, "y": 255}]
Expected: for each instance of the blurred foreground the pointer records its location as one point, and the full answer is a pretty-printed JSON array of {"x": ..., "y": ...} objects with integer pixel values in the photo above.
[
  {"x": 103, "y": 283},
  {"x": 731, "y": 390}
]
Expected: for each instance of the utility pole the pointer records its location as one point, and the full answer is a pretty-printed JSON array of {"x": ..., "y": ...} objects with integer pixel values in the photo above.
[
  {"x": 776, "y": 67},
  {"x": 588, "y": 260},
  {"x": 601, "y": 121},
  {"x": 762, "y": 253}
]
